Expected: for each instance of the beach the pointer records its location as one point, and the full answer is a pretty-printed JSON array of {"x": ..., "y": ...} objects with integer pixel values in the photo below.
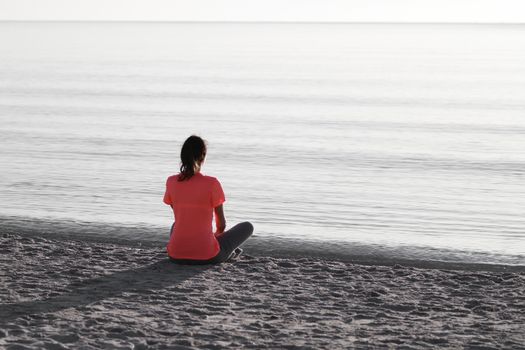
[
  {"x": 381, "y": 165},
  {"x": 71, "y": 293}
]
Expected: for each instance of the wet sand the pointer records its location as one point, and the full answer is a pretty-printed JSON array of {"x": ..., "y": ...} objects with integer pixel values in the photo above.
[{"x": 65, "y": 293}]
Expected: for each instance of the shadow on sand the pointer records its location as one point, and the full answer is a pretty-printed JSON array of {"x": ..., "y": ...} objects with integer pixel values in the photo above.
[{"x": 158, "y": 275}]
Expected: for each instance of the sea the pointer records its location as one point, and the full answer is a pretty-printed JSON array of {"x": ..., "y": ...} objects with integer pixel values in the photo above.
[{"x": 392, "y": 136}]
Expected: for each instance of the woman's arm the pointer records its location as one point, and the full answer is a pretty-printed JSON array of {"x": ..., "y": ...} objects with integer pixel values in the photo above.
[{"x": 220, "y": 220}]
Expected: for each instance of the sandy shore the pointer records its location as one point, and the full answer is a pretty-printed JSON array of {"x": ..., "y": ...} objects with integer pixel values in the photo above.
[{"x": 73, "y": 294}]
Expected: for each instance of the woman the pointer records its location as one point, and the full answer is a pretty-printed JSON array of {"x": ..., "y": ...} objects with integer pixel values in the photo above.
[{"x": 194, "y": 198}]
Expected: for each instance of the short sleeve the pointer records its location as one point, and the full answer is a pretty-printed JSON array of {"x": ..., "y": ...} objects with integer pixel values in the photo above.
[
  {"x": 167, "y": 197},
  {"x": 217, "y": 194}
]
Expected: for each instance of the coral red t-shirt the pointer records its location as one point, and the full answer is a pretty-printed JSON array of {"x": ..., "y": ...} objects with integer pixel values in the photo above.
[{"x": 193, "y": 201}]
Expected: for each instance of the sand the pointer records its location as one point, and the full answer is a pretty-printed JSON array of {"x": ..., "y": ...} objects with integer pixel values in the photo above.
[{"x": 65, "y": 293}]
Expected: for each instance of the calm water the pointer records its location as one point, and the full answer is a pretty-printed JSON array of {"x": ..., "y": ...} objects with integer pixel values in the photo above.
[{"x": 395, "y": 135}]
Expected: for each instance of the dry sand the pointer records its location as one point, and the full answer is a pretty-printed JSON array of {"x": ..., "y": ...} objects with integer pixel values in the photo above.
[{"x": 75, "y": 294}]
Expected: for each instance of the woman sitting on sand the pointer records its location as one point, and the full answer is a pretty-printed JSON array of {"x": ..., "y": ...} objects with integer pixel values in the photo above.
[{"x": 194, "y": 198}]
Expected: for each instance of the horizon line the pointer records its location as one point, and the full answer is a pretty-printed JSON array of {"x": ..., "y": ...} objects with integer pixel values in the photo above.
[{"x": 250, "y": 22}]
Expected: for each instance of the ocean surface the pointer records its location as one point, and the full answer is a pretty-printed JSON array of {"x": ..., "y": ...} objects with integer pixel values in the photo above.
[{"x": 388, "y": 135}]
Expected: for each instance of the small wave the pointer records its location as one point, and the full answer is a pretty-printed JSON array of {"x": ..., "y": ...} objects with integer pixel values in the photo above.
[{"x": 274, "y": 97}]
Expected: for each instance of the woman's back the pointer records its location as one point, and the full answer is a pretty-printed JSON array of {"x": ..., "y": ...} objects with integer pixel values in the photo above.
[{"x": 193, "y": 201}]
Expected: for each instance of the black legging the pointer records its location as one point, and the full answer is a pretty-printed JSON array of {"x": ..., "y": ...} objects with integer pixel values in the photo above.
[{"x": 228, "y": 241}]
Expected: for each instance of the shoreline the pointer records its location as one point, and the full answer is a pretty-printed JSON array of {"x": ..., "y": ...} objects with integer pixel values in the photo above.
[
  {"x": 278, "y": 247},
  {"x": 70, "y": 294}
]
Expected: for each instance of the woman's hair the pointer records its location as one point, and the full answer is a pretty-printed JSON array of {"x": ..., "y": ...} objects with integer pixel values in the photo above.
[{"x": 192, "y": 155}]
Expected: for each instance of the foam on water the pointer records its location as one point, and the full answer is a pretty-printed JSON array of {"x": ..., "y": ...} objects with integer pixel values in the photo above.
[{"x": 390, "y": 135}]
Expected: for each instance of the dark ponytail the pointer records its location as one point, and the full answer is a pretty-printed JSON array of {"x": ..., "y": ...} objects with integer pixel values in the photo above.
[{"x": 192, "y": 155}]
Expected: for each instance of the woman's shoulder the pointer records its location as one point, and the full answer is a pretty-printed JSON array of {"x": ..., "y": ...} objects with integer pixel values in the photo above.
[
  {"x": 171, "y": 178},
  {"x": 211, "y": 179}
]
